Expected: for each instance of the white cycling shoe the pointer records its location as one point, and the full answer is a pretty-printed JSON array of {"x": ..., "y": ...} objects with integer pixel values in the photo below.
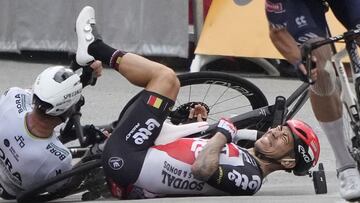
[
  {"x": 86, "y": 34},
  {"x": 350, "y": 184}
]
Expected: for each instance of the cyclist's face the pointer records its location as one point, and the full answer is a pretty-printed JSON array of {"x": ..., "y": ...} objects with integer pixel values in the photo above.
[{"x": 276, "y": 142}]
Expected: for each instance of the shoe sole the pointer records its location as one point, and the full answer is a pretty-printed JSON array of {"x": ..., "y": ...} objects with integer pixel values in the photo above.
[{"x": 82, "y": 56}]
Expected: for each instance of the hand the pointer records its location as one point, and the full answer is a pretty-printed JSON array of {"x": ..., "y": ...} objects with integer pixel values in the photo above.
[
  {"x": 302, "y": 71},
  {"x": 94, "y": 134},
  {"x": 91, "y": 73},
  {"x": 227, "y": 128},
  {"x": 199, "y": 113},
  {"x": 97, "y": 68}
]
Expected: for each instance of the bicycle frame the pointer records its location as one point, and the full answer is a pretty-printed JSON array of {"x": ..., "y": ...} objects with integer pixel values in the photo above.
[
  {"x": 348, "y": 98},
  {"x": 265, "y": 117}
]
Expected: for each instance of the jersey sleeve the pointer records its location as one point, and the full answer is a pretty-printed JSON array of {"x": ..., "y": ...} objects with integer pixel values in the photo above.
[
  {"x": 236, "y": 180},
  {"x": 64, "y": 166},
  {"x": 276, "y": 13},
  {"x": 15, "y": 100}
]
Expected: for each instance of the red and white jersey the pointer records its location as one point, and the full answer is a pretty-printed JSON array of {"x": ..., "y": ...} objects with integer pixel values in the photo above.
[
  {"x": 167, "y": 170},
  {"x": 26, "y": 160}
]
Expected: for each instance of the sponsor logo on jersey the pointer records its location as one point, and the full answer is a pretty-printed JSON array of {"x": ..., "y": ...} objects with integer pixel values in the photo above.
[
  {"x": 301, "y": 21},
  {"x": 20, "y": 103},
  {"x": 20, "y": 140},
  {"x": 58, "y": 172},
  {"x": 154, "y": 101},
  {"x": 57, "y": 151},
  {"x": 116, "y": 163},
  {"x": 8, "y": 166},
  {"x": 305, "y": 37},
  {"x": 11, "y": 149},
  {"x": 274, "y": 7},
  {"x": 181, "y": 183},
  {"x": 244, "y": 181},
  {"x": 278, "y": 25},
  {"x": 143, "y": 134},
  {"x": 7, "y": 143},
  {"x": 179, "y": 179},
  {"x": 132, "y": 131}
]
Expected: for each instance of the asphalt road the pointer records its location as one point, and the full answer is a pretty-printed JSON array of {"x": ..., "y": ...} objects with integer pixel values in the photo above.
[{"x": 108, "y": 97}]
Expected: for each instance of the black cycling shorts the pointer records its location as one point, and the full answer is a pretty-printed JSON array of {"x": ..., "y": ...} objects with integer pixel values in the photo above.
[
  {"x": 305, "y": 19},
  {"x": 139, "y": 125}
]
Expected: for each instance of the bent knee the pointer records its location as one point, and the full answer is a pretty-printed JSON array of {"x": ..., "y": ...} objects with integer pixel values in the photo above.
[
  {"x": 169, "y": 76},
  {"x": 164, "y": 82},
  {"x": 168, "y": 80}
]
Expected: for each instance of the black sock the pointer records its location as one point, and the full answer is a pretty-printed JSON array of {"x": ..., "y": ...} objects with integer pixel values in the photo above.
[
  {"x": 105, "y": 53},
  {"x": 101, "y": 51}
]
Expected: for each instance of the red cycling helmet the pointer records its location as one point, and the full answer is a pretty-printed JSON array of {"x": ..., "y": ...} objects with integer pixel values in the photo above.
[{"x": 306, "y": 146}]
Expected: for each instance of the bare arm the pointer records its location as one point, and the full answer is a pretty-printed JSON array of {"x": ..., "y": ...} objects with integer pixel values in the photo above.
[
  {"x": 207, "y": 161},
  {"x": 285, "y": 44}
]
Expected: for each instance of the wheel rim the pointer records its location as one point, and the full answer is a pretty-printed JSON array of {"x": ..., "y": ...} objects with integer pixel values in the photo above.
[{"x": 224, "y": 97}]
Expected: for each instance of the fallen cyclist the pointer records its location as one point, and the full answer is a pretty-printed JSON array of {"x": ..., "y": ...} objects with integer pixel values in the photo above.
[
  {"x": 186, "y": 166},
  {"x": 30, "y": 152}
]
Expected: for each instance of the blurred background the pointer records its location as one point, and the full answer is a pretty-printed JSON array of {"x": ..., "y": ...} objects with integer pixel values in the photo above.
[
  {"x": 163, "y": 30},
  {"x": 187, "y": 35}
]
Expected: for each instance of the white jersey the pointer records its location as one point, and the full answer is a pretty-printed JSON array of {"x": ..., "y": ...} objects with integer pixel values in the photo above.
[
  {"x": 167, "y": 170},
  {"x": 26, "y": 160}
]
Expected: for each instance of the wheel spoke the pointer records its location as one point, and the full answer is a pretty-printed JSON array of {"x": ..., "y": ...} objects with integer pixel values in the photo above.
[
  {"x": 218, "y": 112},
  {"x": 223, "y": 94}
]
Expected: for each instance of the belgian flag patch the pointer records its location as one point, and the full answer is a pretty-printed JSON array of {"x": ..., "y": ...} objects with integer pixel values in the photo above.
[{"x": 154, "y": 101}]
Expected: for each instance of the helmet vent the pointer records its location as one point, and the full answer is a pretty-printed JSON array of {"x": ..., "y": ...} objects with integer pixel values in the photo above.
[
  {"x": 302, "y": 132},
  {"x": 62, "y": 75}
]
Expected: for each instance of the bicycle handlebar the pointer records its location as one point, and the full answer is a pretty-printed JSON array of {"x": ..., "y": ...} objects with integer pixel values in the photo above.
[
  {"x": 88, "y": 76},
  {"x": 74, "y": 125},
  {"x": 307, "y": 48}
]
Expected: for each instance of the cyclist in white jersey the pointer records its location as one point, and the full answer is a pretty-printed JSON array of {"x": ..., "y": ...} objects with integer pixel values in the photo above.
[
  {"x": 184, "y": 166},
  {"x": 29, "y": 152}
]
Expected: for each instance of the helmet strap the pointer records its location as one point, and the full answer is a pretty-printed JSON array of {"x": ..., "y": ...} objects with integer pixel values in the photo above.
[{"x": 66, "y": 114}]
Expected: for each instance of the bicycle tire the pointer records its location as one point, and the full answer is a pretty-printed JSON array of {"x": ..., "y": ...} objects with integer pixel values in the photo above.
[
  {"x": 351, "y": 135},
  {"x": 36, "y": 195},
  {"x": 234, "y": 93}
]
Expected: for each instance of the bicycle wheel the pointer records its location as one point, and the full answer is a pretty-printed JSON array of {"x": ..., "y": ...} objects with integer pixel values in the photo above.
[
  {"x": 85, "y": 177},
  {"x": 351, "y": 133},
  {"x": 224, "y": 95}
]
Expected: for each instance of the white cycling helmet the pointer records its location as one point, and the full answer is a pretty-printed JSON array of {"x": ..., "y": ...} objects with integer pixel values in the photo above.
[{"x": 56, "y": 89}]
